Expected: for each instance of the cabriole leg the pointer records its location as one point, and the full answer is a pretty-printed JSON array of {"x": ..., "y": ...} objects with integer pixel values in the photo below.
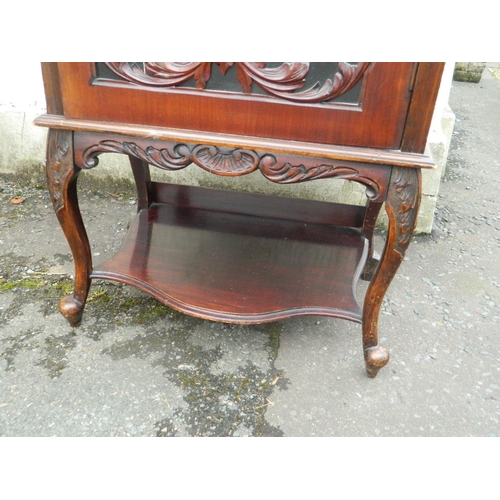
[
  {"x": 62, "y": 175},
  {"x": 402, "y": 203}
]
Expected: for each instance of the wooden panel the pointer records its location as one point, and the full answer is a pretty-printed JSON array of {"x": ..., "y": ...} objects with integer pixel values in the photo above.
[
  {"x": 426, "y": 88},
  {"x": 52, "y": 87},
  {"x": 297, "y": 81},
  {"x": 377, "y": 122}
]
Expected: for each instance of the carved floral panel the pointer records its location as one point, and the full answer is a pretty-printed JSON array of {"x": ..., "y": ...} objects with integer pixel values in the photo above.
[{"x": 299, "y": 82}]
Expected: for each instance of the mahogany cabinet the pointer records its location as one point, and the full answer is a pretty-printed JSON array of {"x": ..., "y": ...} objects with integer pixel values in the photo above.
[{"x": 240, "y": 257}]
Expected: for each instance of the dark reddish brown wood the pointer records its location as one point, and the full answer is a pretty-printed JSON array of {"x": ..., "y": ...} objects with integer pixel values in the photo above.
[
  {"x": 53, "y": 95},
  {"x": 425, "y": 91},
  {"x": 62, "y": 175},
  {"x": 402, "y": 204},
  {"x": 281, "y": 81},
  {"x": 303, "y": 211},
  {"x": 142, "y": 177},
  {"x": 241, "y": 257},
  {"x": 377, "y": 122},
  {"x": 240, "y": 268},
  {"x": 280, "y": 168},
  {"x": 369, "y": 221},
  {"x": 392, "y": 157}
]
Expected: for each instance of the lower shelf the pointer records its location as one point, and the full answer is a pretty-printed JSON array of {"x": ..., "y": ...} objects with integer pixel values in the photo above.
[{"x": 240, "y": 268}]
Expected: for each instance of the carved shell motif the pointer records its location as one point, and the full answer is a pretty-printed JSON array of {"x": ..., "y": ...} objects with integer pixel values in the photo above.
[
  {"x": 220, "y": 161},
  {"x": 225, "y": 162}
]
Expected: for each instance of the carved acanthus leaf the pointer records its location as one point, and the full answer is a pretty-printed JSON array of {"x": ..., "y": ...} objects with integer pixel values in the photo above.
[
  {"x": 169, "y": 158},
  {"x": 59, "y": 144},
  {"x": 283, "y": 81},
  {"x": 280, "y": 83},
  {"x": 403, "y": 199},
  {"x": 219, "y": 161},
  {"x": 286, "y": 173}
]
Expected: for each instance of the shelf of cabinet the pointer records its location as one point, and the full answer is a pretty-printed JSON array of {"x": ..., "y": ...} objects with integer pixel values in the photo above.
[{"x": 243, "y": 267}]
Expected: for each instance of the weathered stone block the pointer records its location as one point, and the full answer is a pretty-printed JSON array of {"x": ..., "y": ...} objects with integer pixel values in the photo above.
[
  {"x": 468, "y": 71},
  {"x": 426, "y": 214}
]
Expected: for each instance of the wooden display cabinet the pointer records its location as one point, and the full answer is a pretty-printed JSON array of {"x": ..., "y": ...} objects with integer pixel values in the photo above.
[{"x": 241, "y": 257}]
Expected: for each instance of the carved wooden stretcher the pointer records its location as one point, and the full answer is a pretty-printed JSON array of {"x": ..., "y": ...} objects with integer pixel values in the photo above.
[{"x": 232, "y": 256}]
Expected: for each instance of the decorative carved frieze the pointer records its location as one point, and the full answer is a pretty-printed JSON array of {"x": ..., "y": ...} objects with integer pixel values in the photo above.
[
  {"x": 284, "y": 172},
  {"x": 220, "y": 161},
  {"x": 171, "y": 157},
  {"x": 279, "y": 168},
  {"x": 284, "y": 81}
]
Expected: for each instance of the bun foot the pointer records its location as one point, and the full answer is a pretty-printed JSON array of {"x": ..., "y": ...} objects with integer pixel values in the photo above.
[
  {"x": 375, "y": 358},
  {"x": 71, "y": 309}
]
